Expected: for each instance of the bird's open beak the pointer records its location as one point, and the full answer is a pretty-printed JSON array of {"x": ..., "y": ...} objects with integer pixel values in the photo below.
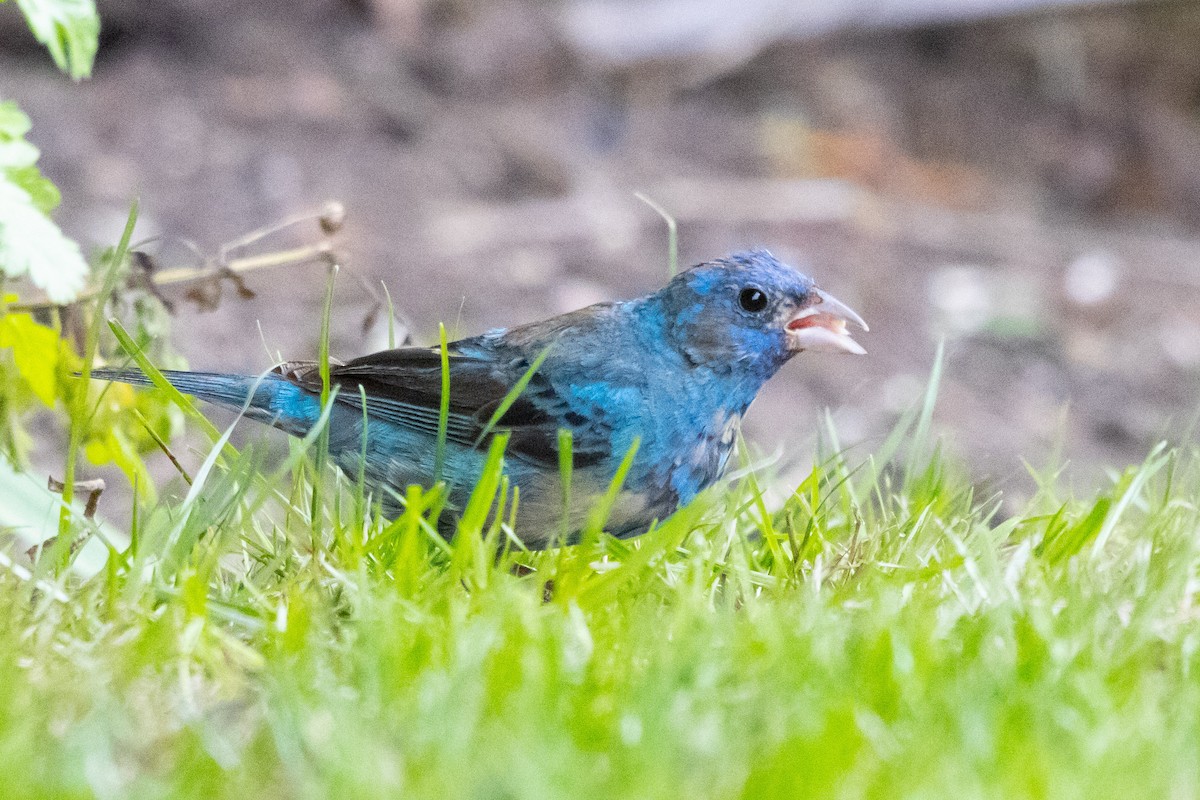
[{"x": 821, "y": 326}]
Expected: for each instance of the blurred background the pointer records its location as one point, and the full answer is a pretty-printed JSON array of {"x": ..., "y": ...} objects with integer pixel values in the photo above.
[{"x": 1018, "y": 178}]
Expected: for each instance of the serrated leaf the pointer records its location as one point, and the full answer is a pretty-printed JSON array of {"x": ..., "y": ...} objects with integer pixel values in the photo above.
[
  {"x": 14, "y": 123},
  {"x": 15, "y": 152},
  {"x": 70, "y": 30},
  {"x": 35, "y": 351},
  {"x": 45, "y": 195},
  {"x": 31, "y": 244}
]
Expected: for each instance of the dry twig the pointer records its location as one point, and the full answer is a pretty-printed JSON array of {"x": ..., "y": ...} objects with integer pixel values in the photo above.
[{"x": 207, "y": 277}]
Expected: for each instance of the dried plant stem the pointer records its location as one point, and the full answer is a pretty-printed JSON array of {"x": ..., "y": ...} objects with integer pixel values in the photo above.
[{"x": 330, "y": 219}]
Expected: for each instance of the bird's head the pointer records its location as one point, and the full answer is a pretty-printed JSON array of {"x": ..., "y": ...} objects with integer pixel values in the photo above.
[{"x": 749, "y": 311}]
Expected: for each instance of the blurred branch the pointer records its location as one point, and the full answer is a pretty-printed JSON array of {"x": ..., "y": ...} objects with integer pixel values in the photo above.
[{"x": 223, "y": 266}]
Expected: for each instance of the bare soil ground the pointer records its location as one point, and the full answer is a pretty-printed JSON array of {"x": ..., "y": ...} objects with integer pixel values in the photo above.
[{"x": 1026, "y": 189}]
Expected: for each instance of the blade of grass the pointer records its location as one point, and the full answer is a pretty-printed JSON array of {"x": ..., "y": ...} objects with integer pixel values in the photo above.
[
  {"x": 160, "y": 382},
  {"x": 602, "y": 509},
  {"x": 391, "y": 319},
  {"x": 322, "y": 454},
  {"x": 484, "y": 495},
  {"x": 439, "y": 461},
  {"x": 511, "y": 397},
  {"x": 920, "y": 437},
  {"x": 672, "y": 233},
  {"x": 79, "y": 419},
  {"x": 566, "y": 463}
]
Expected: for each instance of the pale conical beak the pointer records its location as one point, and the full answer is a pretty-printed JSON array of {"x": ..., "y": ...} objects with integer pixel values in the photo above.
[{"x": 821, "y": 326}]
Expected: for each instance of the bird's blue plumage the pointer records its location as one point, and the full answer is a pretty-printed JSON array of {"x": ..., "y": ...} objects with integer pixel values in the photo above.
[{"x": 673, "y": 372}]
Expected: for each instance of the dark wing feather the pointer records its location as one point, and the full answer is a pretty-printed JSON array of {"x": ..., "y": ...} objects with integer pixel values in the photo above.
[{"x": 404, "y": 387}]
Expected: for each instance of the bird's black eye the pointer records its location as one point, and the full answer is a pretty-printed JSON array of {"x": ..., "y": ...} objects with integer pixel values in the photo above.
[{"x": 753, "y": 299}]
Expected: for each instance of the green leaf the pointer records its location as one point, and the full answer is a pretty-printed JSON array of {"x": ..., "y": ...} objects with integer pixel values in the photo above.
[
  {"x": 41, "y": 190},
  {"x": 15, "y": 152},
  {"x": 70, "y": 30},
  {"x": 35, "y": 352},
  {"x": 113, "y": 447},
  {"x": 31, "y": 244},
  {"x": 14, "y": 123}
]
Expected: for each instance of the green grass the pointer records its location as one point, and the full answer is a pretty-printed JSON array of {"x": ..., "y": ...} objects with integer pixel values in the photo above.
[{"x": 884, "y": 633}]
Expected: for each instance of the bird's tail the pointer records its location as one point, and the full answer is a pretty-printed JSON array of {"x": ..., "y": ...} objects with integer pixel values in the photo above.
[{"x": 268, "y": 398}]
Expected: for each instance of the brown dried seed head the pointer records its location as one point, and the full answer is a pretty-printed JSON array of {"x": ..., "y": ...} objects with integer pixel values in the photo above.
[{"x": 333, "y": 216}]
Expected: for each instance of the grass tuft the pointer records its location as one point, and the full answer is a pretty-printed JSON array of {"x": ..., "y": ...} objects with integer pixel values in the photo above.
[{"x": 885, "y": 631}]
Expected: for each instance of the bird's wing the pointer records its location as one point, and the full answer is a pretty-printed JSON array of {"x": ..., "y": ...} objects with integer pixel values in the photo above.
[{"x": 404, "y": 387}]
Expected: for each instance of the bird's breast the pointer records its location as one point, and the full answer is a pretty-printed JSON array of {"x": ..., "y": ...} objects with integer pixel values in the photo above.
[{"x": 702, "y": 457}]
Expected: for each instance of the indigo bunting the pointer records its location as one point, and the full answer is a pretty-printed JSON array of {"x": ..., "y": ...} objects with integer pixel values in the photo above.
[{"x": 670, "y": 373}]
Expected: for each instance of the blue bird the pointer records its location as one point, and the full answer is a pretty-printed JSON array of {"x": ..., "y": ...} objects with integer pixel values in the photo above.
[{"x": 671, "y": 373}]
